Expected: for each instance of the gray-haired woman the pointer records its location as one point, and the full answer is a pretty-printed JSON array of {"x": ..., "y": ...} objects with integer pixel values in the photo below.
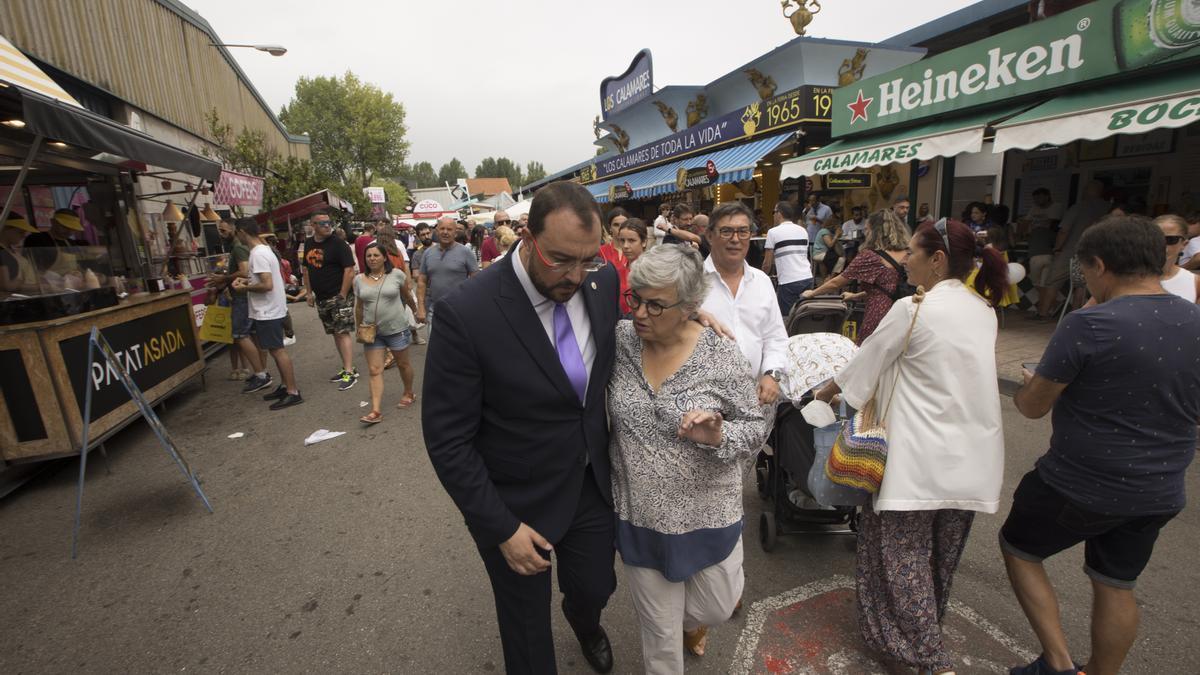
[{"x": 685, "y": 419}]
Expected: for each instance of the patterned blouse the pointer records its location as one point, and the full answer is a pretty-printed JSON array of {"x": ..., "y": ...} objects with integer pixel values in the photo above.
[
  {"x": 878, "y": 279},
  {"x": 678, "y": 503}
]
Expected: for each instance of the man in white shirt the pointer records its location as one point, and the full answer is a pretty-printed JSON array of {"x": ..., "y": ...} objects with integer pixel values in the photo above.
[
  {"x": 854, "y": 228},
  {"x": 787, "y": 249},
  {"x": 742, "y": 298},
  {"x": 268, "y": 310}
]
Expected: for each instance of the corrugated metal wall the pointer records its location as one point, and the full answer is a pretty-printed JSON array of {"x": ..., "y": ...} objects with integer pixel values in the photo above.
[{"x": 144, "y": 53}]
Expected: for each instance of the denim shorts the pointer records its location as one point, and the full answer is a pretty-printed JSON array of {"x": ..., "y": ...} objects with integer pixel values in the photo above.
[
  {"x": 268, "y": 332},
  {"x": 241, "y": 316},
  {"x": 395, "y": 342}
]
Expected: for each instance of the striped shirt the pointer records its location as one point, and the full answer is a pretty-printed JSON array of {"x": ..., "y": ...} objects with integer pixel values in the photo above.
[{"x": 789, "y": 241}]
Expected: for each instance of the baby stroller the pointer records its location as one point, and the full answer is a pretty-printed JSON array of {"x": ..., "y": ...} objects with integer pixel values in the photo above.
[{"x": 782, "y": 477}]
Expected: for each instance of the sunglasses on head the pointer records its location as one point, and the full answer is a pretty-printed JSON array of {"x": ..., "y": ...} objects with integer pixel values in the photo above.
[
  {"x": 940, "y": 226},
  {"x": 1173, "y": 239}
]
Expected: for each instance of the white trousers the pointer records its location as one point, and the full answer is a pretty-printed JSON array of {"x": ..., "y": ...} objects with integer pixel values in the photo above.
[{"x": 666, "y": 609}]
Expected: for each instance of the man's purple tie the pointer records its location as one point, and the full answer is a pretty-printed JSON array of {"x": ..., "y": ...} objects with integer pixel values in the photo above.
[{"x": 568, "y": 351}]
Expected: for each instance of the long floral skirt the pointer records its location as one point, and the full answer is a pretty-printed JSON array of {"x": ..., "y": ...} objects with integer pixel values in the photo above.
[{"x": 906, "y": 560}]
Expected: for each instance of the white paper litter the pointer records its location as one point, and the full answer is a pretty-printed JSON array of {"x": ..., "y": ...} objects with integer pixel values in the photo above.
[
  {"x": 322, "y": 435},
  {"x": 236, "y": 435},
  {"x": 363, "y": 404}
]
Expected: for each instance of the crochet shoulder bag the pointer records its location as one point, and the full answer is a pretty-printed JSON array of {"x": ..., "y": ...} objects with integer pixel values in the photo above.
[{"x": 860, "y": 450}]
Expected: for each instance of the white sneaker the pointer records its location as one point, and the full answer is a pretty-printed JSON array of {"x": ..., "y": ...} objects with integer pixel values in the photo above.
[{"x": 289, "y": 341}]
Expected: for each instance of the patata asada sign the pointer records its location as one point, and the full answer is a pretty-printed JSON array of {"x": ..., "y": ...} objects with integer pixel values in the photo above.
[{"x": 1098, "y": 40}]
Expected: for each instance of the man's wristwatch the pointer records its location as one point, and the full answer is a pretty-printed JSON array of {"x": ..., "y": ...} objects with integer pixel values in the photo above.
[{"x": 774, "y": 375}]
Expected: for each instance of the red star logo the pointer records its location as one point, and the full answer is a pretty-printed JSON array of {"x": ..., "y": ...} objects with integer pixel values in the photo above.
[{"x": 859, "y": 108}]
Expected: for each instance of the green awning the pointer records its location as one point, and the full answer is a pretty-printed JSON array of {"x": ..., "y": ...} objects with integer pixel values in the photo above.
[
  {"x": 944, "y": 138},
  {"x": 1136, "y": 107}
]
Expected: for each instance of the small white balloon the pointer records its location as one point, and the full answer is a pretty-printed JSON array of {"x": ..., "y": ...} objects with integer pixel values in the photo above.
[{"x": 1016, "y": 272}]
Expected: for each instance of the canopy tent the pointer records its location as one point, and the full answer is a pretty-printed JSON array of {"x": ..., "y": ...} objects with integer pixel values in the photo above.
[
  {"x": 299, "y": 209},
  {"x": 1164, "y": 102},
  {"x": 519, "y": 209},
  {"x": 944, "y": 138}
]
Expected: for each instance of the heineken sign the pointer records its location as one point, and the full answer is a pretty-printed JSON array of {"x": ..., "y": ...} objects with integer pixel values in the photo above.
[{"x": 1097, "y": 40}]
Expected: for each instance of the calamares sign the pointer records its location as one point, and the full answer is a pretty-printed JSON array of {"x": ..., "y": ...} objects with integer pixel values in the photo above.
[
  {"x": 1097, "y": 40},
  {"x": 619, "y": 93}
]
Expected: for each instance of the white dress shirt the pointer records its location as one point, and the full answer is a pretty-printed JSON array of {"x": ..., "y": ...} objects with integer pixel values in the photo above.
[
  {"x": 753, "y": 316},
  {"x": 544, "y": 307}
]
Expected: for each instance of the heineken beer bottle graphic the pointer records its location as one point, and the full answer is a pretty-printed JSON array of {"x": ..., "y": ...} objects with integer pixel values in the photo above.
[{"x": 1148, "y": 31}]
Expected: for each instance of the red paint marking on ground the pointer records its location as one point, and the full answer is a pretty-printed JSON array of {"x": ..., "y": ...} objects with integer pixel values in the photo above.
[{"x": 776, "y": 665}]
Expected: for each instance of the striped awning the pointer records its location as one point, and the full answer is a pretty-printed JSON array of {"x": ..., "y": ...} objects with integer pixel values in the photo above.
[
  {"x": 733, "y": 164},
  {"x": 17, "y": 69}
]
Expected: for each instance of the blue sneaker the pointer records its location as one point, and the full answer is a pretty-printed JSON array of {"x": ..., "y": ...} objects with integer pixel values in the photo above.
[
  {"x": 1041, "y": 667},
  {"x": 257, "y": 383}
]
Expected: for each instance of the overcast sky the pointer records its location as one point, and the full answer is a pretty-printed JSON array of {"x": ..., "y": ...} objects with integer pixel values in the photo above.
[{"x": 520, "y": 78}]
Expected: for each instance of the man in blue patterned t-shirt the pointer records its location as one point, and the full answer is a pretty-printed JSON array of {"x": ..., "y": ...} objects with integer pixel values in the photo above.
[{"x": 1123, "y": 378}]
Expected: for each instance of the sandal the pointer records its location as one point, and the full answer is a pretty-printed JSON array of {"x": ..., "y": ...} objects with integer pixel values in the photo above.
[
  {"x": 372, "y": 417},
  {"x": 406, "y": 401},
  {"x": 390, "y": 362},
  {"x": 695, "y": 640}
]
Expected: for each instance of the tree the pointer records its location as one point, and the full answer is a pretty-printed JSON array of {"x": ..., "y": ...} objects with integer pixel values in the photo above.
[
  {"x": 500, "y": 167},
  {"x": 284, "y": 179},
  {"x": 420, "y": 175},
  {"x": 245, "y": 152},
  {"x": 289, "y": 179},
  {"x": 534, "y": 171},
  {"x": 357, "y": 130},
  {"x": 395, "y": 196},
  {"x": 451, "y": 172}
]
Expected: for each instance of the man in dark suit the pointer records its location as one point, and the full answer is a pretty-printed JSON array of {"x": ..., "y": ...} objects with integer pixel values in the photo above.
[{"x": 515, "y": 424}]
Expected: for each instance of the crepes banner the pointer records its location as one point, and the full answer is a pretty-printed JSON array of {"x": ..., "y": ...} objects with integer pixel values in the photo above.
[{"x": 238, "y": 189}]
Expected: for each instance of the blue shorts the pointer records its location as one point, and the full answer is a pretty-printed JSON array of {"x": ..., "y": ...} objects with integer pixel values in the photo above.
[
  {"x": 268, "y": 332},
  {"x": 395, "y": 342},
  {"x": 241, "y": 316}
]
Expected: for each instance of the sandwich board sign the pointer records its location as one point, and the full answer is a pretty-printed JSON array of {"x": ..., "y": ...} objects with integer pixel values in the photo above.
[{"x": 99, "y": 351}]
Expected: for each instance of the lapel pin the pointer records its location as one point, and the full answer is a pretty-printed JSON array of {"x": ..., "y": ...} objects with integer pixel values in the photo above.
[{"x": 593, "y": 285}]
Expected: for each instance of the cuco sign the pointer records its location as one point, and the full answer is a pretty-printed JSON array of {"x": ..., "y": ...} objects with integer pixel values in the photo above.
[{"x": 428, "y": 206}]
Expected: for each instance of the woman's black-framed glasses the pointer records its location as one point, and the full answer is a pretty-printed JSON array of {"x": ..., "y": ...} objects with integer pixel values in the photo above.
[
  {"x": 653, "y": 307},
  {"x": 593, "y": 265},
  {"x": 1174, "y": 239}
]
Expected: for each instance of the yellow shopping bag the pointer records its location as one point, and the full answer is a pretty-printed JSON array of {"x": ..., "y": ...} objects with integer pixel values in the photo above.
[{"x": 218, "y": 324}]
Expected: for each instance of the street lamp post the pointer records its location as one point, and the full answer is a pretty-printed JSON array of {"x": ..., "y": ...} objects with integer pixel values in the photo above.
[{"x": 273, "y": 50}]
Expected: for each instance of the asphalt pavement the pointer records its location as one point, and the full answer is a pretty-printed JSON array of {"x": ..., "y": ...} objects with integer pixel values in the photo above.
[{"x": 347, "y": 556}]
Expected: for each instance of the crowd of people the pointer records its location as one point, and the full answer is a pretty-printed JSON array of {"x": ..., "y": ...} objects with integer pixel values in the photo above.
[
  {"x": 582, "y": 400},
  {"x": 600, "y": 389}
]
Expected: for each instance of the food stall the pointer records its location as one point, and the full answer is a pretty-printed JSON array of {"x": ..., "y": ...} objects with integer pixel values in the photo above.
[{"x": 67, "y": 181}]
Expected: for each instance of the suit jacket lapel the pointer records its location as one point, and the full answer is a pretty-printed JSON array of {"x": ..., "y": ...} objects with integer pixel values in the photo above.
[
  {"x": 599, "y": 308},
  {"x": 518, "y": 311}
]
